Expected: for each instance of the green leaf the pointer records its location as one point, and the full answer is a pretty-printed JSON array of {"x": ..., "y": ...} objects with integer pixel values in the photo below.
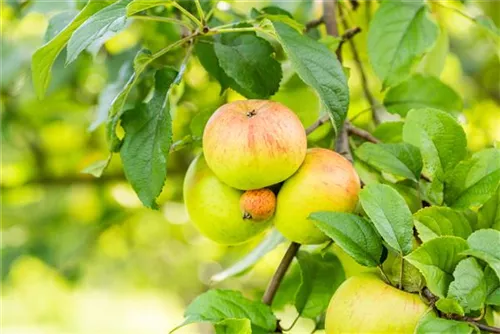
[
  {"x": 215, "y": 306},
  {"x": 44, "y": 57},
  {"x": 430, "y": 323},
  {"x": 319, "y": 68},
  {"x": 441, "y": 140},
  {"x": 422, "y": 91},
  {"x": 108, "y": 95},
  {"x": 248, "y": 60},
  {"x": 469, "y": 286},
  {"x": 398, "y": 159},
  {"x": 489, "y": 214},
  {"x": 141, "y": 60},
  {"x": 353, "y": 234},
  {"x": 434, "y": 61},
  {"x": 97, "y": 168},
  {"x": 435, "y": 221},
  {"x": 205, "y": 51},
  {"x": 485, "y": 245},
  {"x": 474, "y": 181},
  {"x": 399, "y": 33},
  {"x": 389, "y": 132},
  {"x": 58, "y": 22},
  {"x": 270, "y": 242},
  {"x": 436, "y": 259},
  {"x": 99, "y": 26},
  {"x": 148, "y": 136},
  {"x": 234, "y": 326},
  {"x": 492, "y": 287},
  {"x": 389, "y": 213},
  {"x": 449, "y": 306},
  {"x": 137, "y": 6},
  {"x": 321, "y": 275}
]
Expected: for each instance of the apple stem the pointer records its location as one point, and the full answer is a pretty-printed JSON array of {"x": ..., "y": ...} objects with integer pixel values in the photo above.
[
  {"x": 384, "y": 275},
  {"x": 401, "y": 273}
]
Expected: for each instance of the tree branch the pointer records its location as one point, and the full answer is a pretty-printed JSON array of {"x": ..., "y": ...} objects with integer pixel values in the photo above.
[
  {"x": 433, "y": 299},
  {"x": 275, "y": 282},
  {"x": 359, "y": 65},
  {"x": 314, "y": 23},
  {"x": 352, "y": 130}
]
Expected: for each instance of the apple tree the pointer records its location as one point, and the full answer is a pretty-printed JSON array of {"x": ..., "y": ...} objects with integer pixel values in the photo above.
[{"x": 416, "y": 249}]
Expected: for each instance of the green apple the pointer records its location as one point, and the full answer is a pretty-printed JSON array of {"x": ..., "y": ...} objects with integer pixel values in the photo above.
[
  {"x": 254, "y": 144},
  {"x": 366, "y": 304},
  {"x": 258, "y": 204},
  {"x": 214, "y": 207},
  {"x": 326, "y": 181}
]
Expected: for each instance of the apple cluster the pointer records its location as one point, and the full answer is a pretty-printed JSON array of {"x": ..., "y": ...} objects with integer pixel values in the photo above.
[{"x": 256, "y": 171}]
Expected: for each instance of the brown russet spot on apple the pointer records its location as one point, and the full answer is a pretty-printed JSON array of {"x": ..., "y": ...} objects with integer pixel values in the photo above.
[{"x": 258, "y": 205}]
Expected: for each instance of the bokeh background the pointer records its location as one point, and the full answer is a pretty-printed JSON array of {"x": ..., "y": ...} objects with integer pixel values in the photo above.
[{"x": 80, "y": 254}]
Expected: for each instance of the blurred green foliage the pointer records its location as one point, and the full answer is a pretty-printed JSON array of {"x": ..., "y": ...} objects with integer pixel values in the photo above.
[{"x": 80, "y": 254}]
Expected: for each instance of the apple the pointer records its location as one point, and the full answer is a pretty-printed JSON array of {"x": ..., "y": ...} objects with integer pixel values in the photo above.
[
  {"x": 366, "y": 304},
  {"x": 214, "y": 207},
  {"x": 326, "y": 181},
  {"x": 254, "y": 144},
  {"x": 258, "y": 204}
]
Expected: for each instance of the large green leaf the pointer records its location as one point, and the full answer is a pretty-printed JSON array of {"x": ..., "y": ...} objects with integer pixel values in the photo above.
[
  {"x": 320, "y": 276},
  {"x": 318, "y": 67},
  {"x": 148, "y": 136},
  {"x": 248, "y": 60},
  {"x": 489, "y": 214},
  {"x": 58, "y": 22},
  {"x": 353, "y": 234},
  {"x": 99, "y": 26},
  {"x": 422, "y": 91},
  {"x": 44, "y": 57},
  {"x": 474, "y": 181},
  {"x": 436, "y": 259},
  {"x": 430, "y": 323},
  {"x": 400, "y": 159},
  {"x": 389, "y": 213},
  {"x": 399, "y": 34},
  {"x": 270, "y": 242},
  {"x": 485, "y": 245},
  {"x": 469, "y": 286},
  {"x": 215, "y": 306},
  {"x": 435, "y": 221}
]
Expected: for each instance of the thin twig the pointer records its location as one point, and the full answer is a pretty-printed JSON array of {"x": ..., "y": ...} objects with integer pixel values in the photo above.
[
  {"x": 364, "y": 81},
  {"x": 358, "y": 132},
  {"x": 162, "y": 19},
  {"x": 319, "y": 122},
  {"x": 275, "y": 282},
  {"x": 314, "y": 23}
]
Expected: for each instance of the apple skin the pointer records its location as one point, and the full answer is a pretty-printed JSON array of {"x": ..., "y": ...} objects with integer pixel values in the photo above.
[
  {"x": 325, "y": 181},
  {"x": 258, "y": 204},
  {"x": 214, "y": 207},
  {"x": 254, "y": 144},
  {"x": 366, "y": 304}
]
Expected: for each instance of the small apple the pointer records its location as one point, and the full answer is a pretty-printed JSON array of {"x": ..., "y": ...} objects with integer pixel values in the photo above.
[
  {"x": 254, "y": 144},
  {"x": 366, "y": 304},
  {"x": 258, "y": 204},
  {"x": 214, "y": 207},
  {"x": 326, "y": 181}
]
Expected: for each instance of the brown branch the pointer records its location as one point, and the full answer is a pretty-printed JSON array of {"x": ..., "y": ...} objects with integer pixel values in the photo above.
[
  {"x": 352, "y": 130},
  {"x": 322, "y": 120},
  {"x": 275, "y": 282},
  {"x": 364, "y": 81},
  {"x": 314, "y": 23},
  {"x": 432, "y": 301}
]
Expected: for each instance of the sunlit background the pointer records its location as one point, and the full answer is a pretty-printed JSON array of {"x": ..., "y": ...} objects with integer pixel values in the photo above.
[{"x": 80, "y": 254}]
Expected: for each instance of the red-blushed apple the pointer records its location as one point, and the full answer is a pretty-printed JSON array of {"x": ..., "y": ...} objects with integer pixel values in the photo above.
[
  {"x": 214, "y": 207},
  {"x": 254, "y": 144},
  {"x": 366, "y": 304},
  {"x": 258, "y": 204},
  {"x": 326, "y": 181}
]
